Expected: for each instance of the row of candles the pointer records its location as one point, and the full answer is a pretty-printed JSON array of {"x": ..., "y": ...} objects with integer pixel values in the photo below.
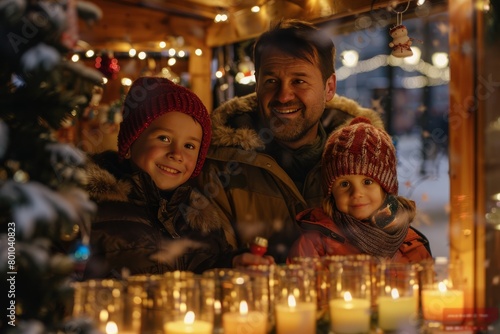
[{"x": 352, "y": 294}]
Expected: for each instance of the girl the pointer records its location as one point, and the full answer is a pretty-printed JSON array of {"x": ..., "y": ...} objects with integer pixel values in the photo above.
[{"x": 361, "y": 213}]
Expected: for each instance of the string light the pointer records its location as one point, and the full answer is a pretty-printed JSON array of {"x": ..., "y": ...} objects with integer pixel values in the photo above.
[
  {"x": 220, "y": 18},
  {"x": 171, "y": 53}
]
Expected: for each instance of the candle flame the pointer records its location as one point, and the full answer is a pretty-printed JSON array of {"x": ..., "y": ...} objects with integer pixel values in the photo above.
[
  {"x": 347, "y": 296},
  {"x": 243, "y": 308},
  {"x": 395, "y": 293},
  {"x": 111, "y": 328},
  {"x": 442, "y": 287},
  {"x": 291, "y": 301},
  {"x": 189, "y": 318}
]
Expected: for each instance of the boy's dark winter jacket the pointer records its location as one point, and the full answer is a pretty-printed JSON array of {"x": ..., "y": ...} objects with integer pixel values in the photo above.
[{"x": 143, "y": 230}]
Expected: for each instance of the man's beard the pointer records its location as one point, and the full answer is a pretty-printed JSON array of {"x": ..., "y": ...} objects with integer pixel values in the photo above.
[{"x": 289, "y": 131}]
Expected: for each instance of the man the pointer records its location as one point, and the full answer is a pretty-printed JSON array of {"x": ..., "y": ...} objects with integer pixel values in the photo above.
[{"x": 263, "y": 165}]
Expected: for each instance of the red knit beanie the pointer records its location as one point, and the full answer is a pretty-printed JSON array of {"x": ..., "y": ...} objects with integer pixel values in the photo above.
[
  {"x": 360, "y": 149},
  {"x": 151, "y": 97}
]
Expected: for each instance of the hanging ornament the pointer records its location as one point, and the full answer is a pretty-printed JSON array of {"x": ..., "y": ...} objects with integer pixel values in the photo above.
[{"x": 400, "y": 41}]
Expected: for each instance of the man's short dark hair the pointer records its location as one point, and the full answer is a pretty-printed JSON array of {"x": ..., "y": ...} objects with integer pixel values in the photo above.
[{"x": 301, "y": 40}]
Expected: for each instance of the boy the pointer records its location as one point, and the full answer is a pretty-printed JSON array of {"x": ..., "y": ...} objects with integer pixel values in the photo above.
[{"x": 150, "y": 220}]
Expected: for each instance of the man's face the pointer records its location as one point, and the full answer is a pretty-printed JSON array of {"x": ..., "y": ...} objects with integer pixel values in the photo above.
[{"x": 292, "y": 97}]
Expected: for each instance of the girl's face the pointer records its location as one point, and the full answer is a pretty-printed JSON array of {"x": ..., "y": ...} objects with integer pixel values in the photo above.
[
  {"x": 168, "y": 149},
  {"x": 357, "y": 195}
]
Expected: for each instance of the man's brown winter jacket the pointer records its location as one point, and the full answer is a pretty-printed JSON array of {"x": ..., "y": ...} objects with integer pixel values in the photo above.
[{"x": 251, "y": 188}]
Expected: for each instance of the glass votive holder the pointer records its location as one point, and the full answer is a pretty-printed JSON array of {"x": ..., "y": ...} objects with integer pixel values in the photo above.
[
  {"x": 322, "y": 283},
  {"x": 144, "y": 307},
  {"x": 397, "y": 297},
  {"x": 101, "y": 301},
  {"x": 246, "y": 306},
  {"x": 365, "y": 260},
  {"x": 189, "y": 304},
  {"x": 350, "y": 297},
  {"x": 264, "y": 283},
  {"x": 296, "y": 300},
  {"x": 222, "y": 281},
  {"x": 442, "y": 295}
]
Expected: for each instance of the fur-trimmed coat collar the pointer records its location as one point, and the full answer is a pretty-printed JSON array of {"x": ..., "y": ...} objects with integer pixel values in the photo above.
[
  {"x": 117, "y": 185},
  {"x": 232, "y": 121}
]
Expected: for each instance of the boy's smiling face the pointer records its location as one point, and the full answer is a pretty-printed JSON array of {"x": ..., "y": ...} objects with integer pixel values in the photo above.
[{"x": 168, "y": 149}]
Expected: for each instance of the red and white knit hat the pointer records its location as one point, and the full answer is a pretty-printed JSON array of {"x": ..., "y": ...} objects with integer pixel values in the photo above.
[
  {"x": 151, "y": 97},
  {"x": 360, "y": 149}
]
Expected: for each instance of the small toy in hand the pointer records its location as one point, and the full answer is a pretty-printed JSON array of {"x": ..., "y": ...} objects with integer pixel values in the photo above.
[
  {"x": 259, "y": 246},
  {"x": 400, "y": 42}
]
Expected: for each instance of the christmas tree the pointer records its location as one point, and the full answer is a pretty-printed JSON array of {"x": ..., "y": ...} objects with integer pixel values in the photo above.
[{"x": 44, "y": 211}]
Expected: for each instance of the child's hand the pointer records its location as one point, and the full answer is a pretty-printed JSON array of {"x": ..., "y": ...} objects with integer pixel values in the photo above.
[{"x": 249, "y": 259}]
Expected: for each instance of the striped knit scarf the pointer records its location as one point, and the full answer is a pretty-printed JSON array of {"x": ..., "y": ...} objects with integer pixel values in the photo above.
[{"x": 383, "y": 233}]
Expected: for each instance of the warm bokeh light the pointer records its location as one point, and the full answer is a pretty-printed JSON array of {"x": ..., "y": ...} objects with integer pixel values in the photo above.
[
  {"x": 440, "y": 59},
  {"x": 350, "y": 58},
  {"x": 415, "y": 58},
  {"x": 126, "y": 81},
  {"x": 222, "y": 17}
]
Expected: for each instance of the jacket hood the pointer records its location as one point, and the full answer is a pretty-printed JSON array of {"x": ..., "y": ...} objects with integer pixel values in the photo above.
[
  {"x": 232, "y": 121},
  {"x": 105, "y": 186}
]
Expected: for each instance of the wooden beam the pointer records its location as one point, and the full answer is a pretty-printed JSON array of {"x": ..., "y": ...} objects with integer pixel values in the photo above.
[
  {"x": 462, "y": 151},
  {"x": 124, "y": 26}
]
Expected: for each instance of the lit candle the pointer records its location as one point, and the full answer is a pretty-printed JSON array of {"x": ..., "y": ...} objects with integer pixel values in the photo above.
[
  {"x": 396, "y": 312},
  {"x": 435, "y": 301},
  {"x": 252, "y": 322},
  {"x": 188, "y": 326},
  {"x": 293, "y": 317},
  {"x": 350, "y": 315}
]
